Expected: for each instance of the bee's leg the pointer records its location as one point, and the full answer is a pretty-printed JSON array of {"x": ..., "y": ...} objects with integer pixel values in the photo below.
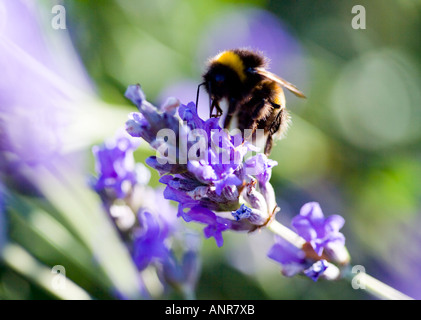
[
  {"x": 211, "y": 106},
  {"x": 197, "y": 93},
  {"x": 269, "y": 144},
  {"x": 218, "y": 110},
  {"x": 274, "y": 127},
  {"x": 231, "y": 110},
  {"x": 261, "y": 109},
  {"x": 215, "y": 104}
]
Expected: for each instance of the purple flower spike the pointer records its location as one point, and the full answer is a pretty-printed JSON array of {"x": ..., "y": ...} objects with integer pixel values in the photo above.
[{"x": 319, "y": 231}]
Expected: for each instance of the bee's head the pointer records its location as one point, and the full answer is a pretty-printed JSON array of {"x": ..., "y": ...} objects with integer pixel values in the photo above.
[
  {"x": 230, "y": 73},
  {"x": 222, "y": 81}
]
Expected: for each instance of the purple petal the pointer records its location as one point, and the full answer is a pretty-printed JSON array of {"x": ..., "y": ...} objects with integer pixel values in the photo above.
[
  {"x": 165, "y": 168},
  {"x": 285, "y": 252},
  {"x": 261, "y": 167},
  {"x": 137, "y": 125},
  {"x": 135, "y": 94},
  {"x": 312, "y": 211},
  {"x": 189, "y": 114},
  {"x": 201, "y": 170},
  {"x": 215, "y": 224},
  {"x": 243, "y": 212},
  {"x": 149, "y": 242},
  {"x": 202, "y": 215},
  {"x": 215, "y": 230},
  {"x": 150, "y": 225},
  {"x": 304, "y": 228},
  {"x": 231, "y": 180},
  {"x": 334, "y": 223},
  {"x": 316, "y": 270}
]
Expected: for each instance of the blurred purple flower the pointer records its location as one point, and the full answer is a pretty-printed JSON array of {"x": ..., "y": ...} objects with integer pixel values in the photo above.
[
  {"x": 320, "y": 232},
  {"x": 183, "y": 273},
  {"x": 148, "y": 235},
  {"x": 35, "y": 117},
  {"x": 149, "y": 243},
  {"x": 3, "y": 229},
  {"x": 43, "y": 90},
  {"x": 114, "y": 164}
]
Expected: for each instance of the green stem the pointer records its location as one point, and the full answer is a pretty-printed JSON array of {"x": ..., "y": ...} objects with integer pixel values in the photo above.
[{"x": 360, "y": 280}]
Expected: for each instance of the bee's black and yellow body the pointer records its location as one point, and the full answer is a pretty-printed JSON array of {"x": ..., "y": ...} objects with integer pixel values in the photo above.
[{"x": 255, "y": 96}]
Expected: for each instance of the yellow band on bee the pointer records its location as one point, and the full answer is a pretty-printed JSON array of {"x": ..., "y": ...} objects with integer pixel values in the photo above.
[
  {"x": 233, "y": 61},
  {"x": 280, "y": 96}
]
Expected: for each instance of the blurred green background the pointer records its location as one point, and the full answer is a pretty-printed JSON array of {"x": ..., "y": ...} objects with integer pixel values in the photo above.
[{"x": 353, "y": 146}]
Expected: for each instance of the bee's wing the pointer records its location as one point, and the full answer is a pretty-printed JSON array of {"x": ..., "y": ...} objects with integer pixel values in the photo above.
[{"x": 282, "y": 82}]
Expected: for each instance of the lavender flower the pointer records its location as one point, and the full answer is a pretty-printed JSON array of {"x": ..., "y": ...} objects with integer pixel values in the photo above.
[
  {"x": 294, "y": 261},
  {"x": 145, "y": 220},
  {"x": 154, "y": 239},
  {"x": 321, "y": 234},
  {"x": 204, "y": 167}
]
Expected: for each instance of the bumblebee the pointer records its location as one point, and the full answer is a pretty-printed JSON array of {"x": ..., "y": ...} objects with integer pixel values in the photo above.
[{"x": 254, "y": 96}]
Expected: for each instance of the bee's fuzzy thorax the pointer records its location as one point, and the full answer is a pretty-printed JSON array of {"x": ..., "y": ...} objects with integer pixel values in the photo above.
[
  {"x": 251, "y": 58},
  {"x": 232, "y": 60}
]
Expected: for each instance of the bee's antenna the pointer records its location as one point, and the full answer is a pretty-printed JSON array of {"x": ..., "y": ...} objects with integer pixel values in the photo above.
[{"x": 198, "y": 91}]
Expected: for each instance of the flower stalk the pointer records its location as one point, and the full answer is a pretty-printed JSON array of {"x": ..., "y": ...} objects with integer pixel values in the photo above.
[{"x": 376, "y": 287}]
